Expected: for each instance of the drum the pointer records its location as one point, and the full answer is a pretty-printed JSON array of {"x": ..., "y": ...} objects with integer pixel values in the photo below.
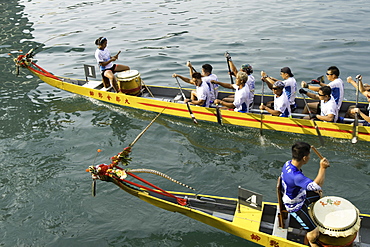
[
  {"x": 338, "y": 220},
  {"x": 129, "y": 81}
]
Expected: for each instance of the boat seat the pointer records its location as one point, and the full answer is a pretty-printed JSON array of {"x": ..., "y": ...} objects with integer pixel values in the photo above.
[
  {"x": 282, "y": 217},
  {"x": 282, "y": 212},
  {"x": 106, "y": 89},
  {"x": 92, "y": 84}
]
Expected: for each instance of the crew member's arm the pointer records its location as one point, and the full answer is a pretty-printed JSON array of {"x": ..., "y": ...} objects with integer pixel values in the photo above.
[
  {"x": 354, "y": 84},
  {"x": 271, "y": 111},
  {"x": 363, "y": 115},
  {"x": 195, "y": 102},
  {"x": 233, "y": 68},
  {"x": 328, "y": 118},
  {"x": 320, "y": 178},
  {"x": 311, "y": 95},
  {"x": 223, "y": 84},
  {"x": 313, "y": 88},
  {"x": 112, "y": 59},
  {"x": 224, "y": 103},
  {"x": 269, "y": 80},
  {"x": 185, "y": 79},
  {"x": 191, "y": 69}
]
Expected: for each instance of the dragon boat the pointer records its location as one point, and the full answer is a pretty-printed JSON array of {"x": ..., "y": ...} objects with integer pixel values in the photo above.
[
  {"x": 247, "y": 216},
  {"x": 170, "y": 101}
]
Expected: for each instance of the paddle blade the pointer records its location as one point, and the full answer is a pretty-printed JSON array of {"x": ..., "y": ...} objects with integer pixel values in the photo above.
[
  {"x": 93, "y": 188},
  {"x": 355, "y": 130},
  {"x": 354, "y": 140},
  {"x": 319, "y": 135},
  {"x": 219, "y": 116},
  {"x": 191, "y": 113}
]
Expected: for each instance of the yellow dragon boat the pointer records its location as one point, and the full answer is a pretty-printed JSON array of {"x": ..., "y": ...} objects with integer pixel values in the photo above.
[
  {"x": 247, "y": 216},
  {"x": 170, "y": 101}
]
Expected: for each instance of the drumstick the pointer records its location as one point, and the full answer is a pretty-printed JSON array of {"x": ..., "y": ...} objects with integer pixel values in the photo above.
[
  {"x": 317, "y": 152},
  {"x": 117, "y": 54}
]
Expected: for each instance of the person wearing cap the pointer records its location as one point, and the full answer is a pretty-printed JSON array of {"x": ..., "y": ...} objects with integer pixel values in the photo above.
[
  {"x": 105, "y": 61},
  {"x": 290, "y": 84},
  {"x": 298, "y": 190},
  {"x": 365, "y": 90},
  {"x": 329, "y": 110},
  {"x": 247, "y": 68},
  {"x": 241, "y": 100},
  {"x": 336, "y": 84},
  {"x": 207, "y": 77},
  {"x": 281, "y": 101},
  {"x": 201, "y": 96}
]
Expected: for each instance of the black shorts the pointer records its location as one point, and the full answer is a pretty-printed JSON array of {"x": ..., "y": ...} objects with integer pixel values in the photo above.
[{"x": 111, "y": 68}]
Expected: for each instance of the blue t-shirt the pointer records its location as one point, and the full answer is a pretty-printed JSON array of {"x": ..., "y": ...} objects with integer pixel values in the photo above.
[{"x": 295, "y": 185}]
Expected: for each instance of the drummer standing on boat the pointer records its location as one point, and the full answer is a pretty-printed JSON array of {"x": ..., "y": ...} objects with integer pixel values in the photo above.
[
  {"x": 300, "y": 191},
  {"x": 105, "y": 61}
]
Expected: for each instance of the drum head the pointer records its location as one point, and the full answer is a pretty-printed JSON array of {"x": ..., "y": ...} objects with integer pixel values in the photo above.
[
  {"x": 127, "y": 74},
  {"x": 335, "y": 216}
]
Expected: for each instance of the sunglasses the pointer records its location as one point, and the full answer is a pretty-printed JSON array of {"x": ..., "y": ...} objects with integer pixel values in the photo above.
[
  {"x": 329, "y": 74},
  {"x": 321, "y": 94}
]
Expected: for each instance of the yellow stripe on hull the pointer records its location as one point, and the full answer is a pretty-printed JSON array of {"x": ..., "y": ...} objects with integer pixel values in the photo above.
[{"x": 291, "y": 125}]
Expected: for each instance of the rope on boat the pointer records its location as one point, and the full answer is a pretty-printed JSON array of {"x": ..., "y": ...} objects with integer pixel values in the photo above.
[{"x": 161, "y": 175}]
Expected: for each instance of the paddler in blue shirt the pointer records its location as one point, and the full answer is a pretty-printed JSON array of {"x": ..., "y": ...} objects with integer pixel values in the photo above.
[{"x": 300, "y": 191}]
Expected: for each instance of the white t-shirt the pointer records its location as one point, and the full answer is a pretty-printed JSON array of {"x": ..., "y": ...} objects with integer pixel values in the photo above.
[
  {"x": 282, "y": 105},
  {"x": 329, "y": 107},
  {"x": 251, "y": 84},
  {"x": 203, "y": 93},
  {"x": 213, "y": 88},
  {"x": 241, "y": 98},
  {"x": 103, "y": 56},
  {"x": 290, "y": 89},
  {"x": 337, "y": 91}
]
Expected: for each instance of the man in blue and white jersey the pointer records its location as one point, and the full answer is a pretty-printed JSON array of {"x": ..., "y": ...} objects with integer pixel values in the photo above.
[
  {"x": 329, "y": 110},
  {"x": 281, "y": 101},
  {"x": 241, "y": 101},
  {"x": 336, "y": 84},
  {"x": 200, "y": 96},
  {"x": 290, "y": 84},
  {"x": 300, "y": 191}
]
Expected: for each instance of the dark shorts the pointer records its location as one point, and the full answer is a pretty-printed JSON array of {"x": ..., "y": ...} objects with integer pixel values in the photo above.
[
  {"x": 302, "y": 215},
  {"x": 111, "y": 68}
]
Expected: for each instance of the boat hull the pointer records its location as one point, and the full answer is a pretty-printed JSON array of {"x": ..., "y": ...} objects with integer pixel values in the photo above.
[{"x": 252, "y": 120}]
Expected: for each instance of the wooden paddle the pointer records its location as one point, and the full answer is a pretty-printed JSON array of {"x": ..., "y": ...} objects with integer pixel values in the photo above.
[
  {"x": 218, "y": 114},
  {"x": 355, "y": 123},
  {"x": 316, "y": 127},
  {"x": 263, "y": 88},
  {"x": 187, "y": 103},
  {"x": 147, "y": 127},
  {"x": 317, "y": 152},
  {"x": 227, "y": 55}
]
